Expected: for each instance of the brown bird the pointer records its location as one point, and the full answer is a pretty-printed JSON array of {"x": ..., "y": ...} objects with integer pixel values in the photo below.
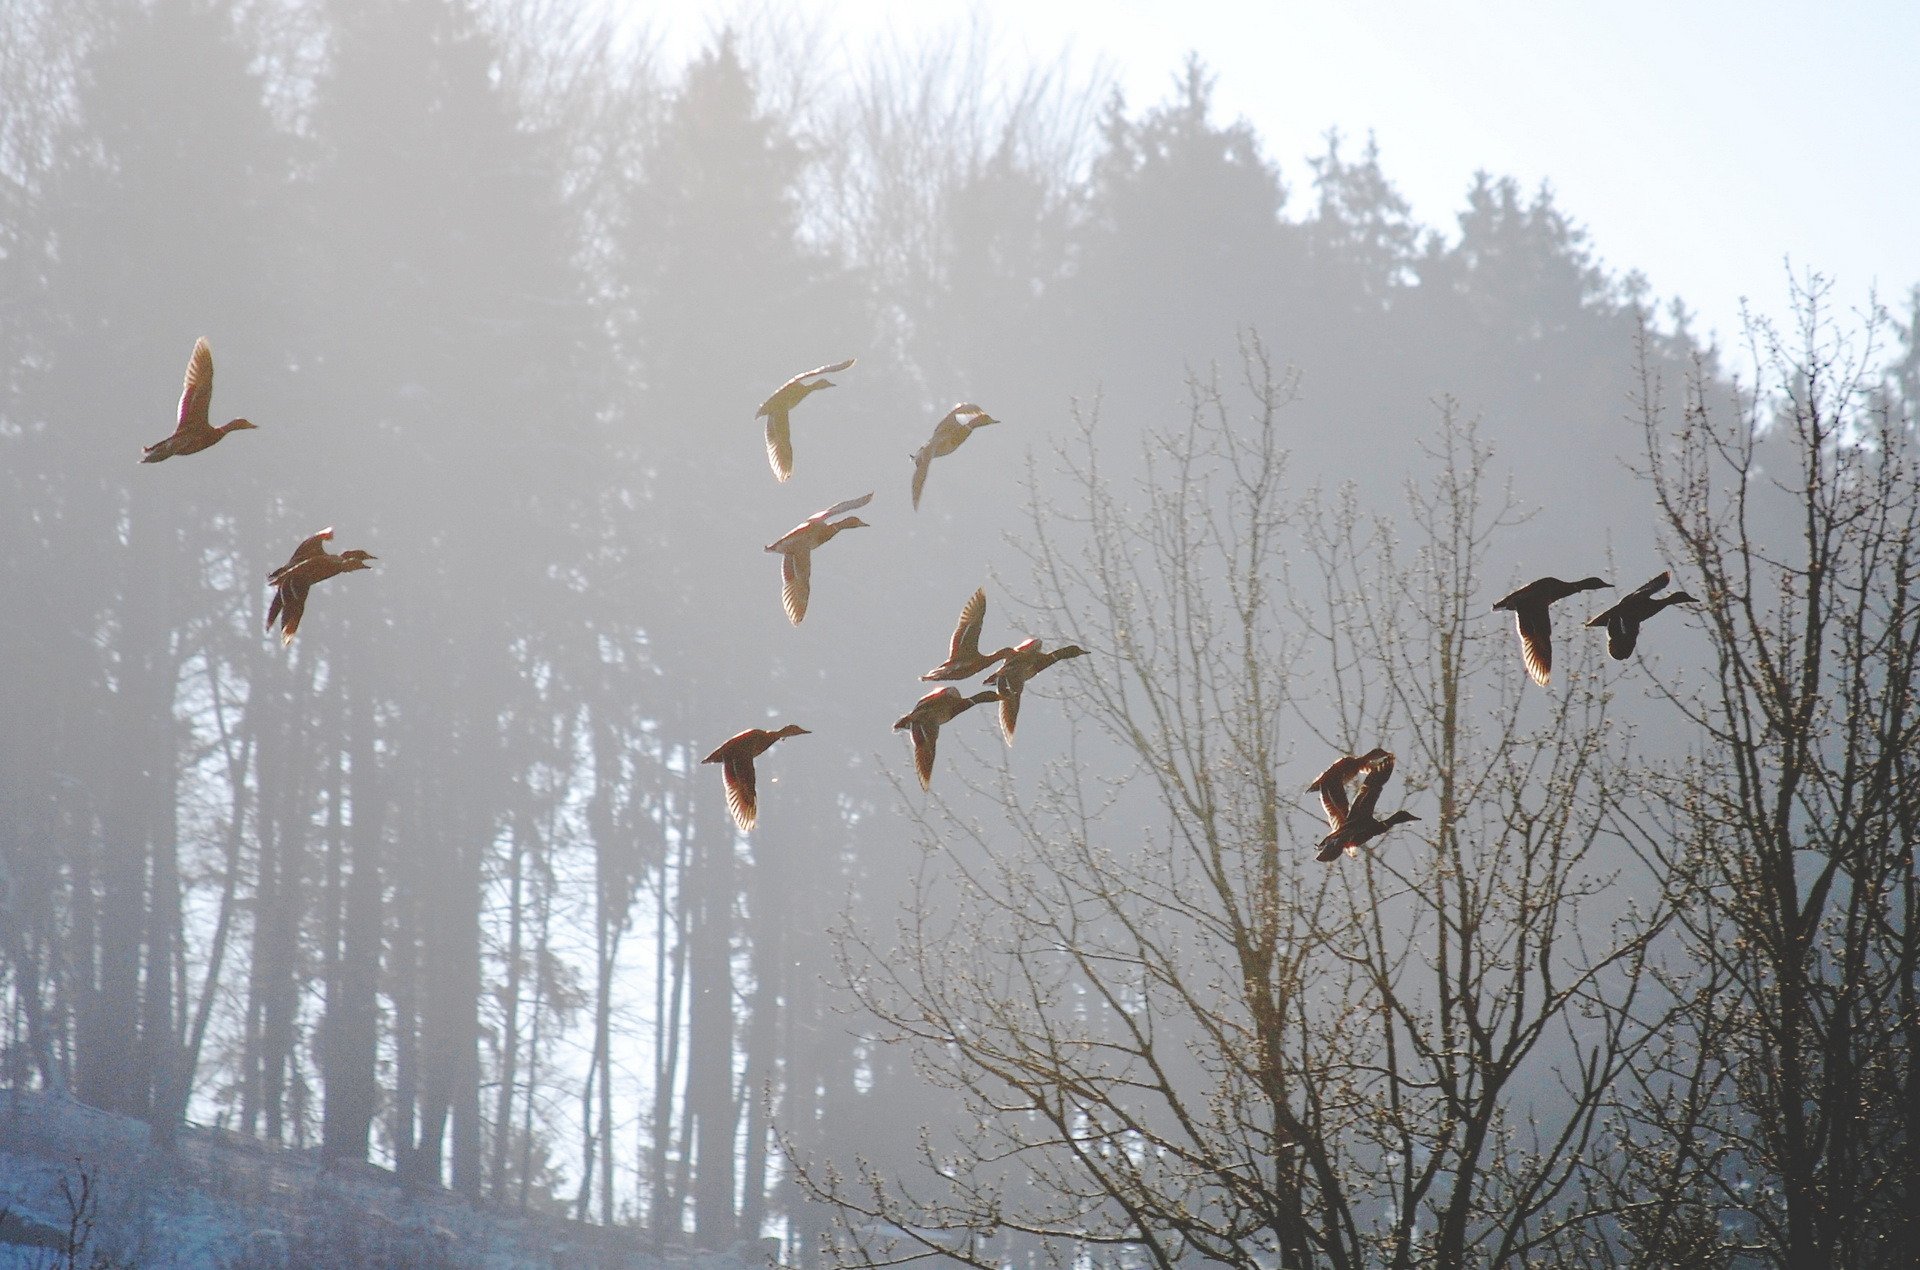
[
  {"x": 737, "y": 753},
  {"x": 948, "y": 435},
  {"x": 1353, "y": 827},
  {"x": 796, "y": 548},
  {"x": 1529, "y": 608},
  {"x": 1022, "y": 664},
  {"x": 310, "y": 562},
  {"x": 192, "y": 433},
  {"x": 1636, "y": 606},
  {"x": 923, "y": 722},
  {"x": 964, "y": 658},
  {"x": 777, "y": 407}
]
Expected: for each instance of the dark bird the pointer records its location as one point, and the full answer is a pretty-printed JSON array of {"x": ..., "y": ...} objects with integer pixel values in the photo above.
[
  {"x": 1636, "y": 606},
  {"x": 777, "y": 407},
  {"x": 796, "y": 548},
  {"x": 923, "y": 722},
  {"x": 964, "y": 658},
  {"x": 193, "y": 433},
  {"x": 1529, "y": 608},
  {"x": 1353, "y": 827},
  {"x": 737, "y": 753},
  {"x": 1022, "y": 664},
  {"x": 310, "y": 562},
  {"x": 948, "y": 435}
]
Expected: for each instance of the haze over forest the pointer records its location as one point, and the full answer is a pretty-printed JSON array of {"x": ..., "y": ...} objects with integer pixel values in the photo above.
[{"x": 442, "y": 884}]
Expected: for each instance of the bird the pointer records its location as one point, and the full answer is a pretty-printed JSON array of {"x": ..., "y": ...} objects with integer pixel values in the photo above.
[
  {"x": 1352, "y": 827},
  {"x": 964, "y": 658},
  {"x": 1022, "y": 664},
  {"x": 776, "y": 408},
  {"x": 193, "y": 433},
  {"x": 796, "y": 548},
  {"x": 310, "y": 562},
  {"x": 923, "y": 722},
  {"x": 1636, "y": 606},
  {"x": 736, "y": 754},
  {"x": 948, "y": 434},
  {"x": 1529, "y": 608}
]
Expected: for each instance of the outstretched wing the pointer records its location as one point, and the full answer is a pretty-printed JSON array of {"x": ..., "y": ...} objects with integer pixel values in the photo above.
[
  {"x": 1536, "y": 640},
  {"x": 198, "y": 390},
  {"x": 1646, "y": 590},
  {"x": 1331, "y": 785},
  {"x": 784, "y": 397},
  {"x": 1622, "y": 634},
  {"x": 842, "y": 508},
  {"x": 737, "y": 773},
  {"x": 966, "y": 634},
  {"x": 1379, "y": 771},
  {"x": 922, "y": 460},
  {"x": 796, "y": 579},
  {"x": 292, "y": 600},
  {"x": 1009, "y": 687},
  {"x": 310, "y": 546},
  {"x": 780, "y": 443},
  {"x": 925, "y": 736}
]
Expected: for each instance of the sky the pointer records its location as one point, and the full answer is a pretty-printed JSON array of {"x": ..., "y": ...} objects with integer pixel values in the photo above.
[{"x": 1705, "y": 143}]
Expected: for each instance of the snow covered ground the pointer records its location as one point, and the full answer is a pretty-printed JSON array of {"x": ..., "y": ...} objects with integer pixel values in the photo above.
[{"x": 82, "y": 1188}]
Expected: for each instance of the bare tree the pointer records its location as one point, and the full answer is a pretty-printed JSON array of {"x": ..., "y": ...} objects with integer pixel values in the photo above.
[{"x": 1202, "y": 1043}]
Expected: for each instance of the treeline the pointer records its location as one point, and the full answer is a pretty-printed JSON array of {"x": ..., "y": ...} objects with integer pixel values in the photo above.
[{"x": 443, "y": 884}]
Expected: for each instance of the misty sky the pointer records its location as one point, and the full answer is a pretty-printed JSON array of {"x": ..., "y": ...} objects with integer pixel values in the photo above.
[{"x": 1701, "y": 143}]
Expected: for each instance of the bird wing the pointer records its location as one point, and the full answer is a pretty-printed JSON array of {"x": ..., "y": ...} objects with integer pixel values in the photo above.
[
  {"x": 1646, "y": 589},
  {"x": 922, "y": 460},
  {"x": 780, "y": 443},
  {"x": 737, "y": 773},
  {"x": 966, "y": 634},
  {"x": 925, "y": 736},
  {"x": 1379, "y": 771},
  {"x": 1536, "y": 640},
  {"x": 839, "y": 508},
  {"x": 292, "y": 599},
  {"x": 796, "y": 578},
  {"x": 197, "y": 393},
  {"x": 1623, "y": 633},
  {"x": 310, "y": 546},
  {"x": 1009, "y": 706},
  {"x": 783, "y": 396},
  {"x": 1331, "y": 785}
]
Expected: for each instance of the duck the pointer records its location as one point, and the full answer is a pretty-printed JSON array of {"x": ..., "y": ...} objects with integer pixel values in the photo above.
[
  {"x": 948, "y": 435},
  {"x": 193, "y": 433},
  {"x": 1355, "y": 826},
  {"x": 964, "y": 658},
  {"x": 777, "y": 407},
  {"x": 736, "y": 754},
  {"x": 310, "y": 562},
  {"x": 1636, "y": 606},
  {"x": 922, "y": 723},
  {"x": 1022, "y": 664},
  {"x": 796, "y": 548},
  {"x": 1529, "y": 608}
]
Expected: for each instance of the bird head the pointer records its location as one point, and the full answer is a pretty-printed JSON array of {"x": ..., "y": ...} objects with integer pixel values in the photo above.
[
  {"x": 1680, "y": 597},
  {"x": 235, "y": 425},
  {"x": 792, "y": 729},
  {"x": 981, "y": 420},
  {"x": 851, "y": 522},
  {"x": 1591, "y": 584},
  {"x": 1400, "y": 817},
  {"x": 1068, "y": 650},
  {"x": 356, "y": 559}
]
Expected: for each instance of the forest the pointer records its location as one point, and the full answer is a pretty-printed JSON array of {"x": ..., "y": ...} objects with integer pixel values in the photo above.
[{"x": 441, "y": 885}]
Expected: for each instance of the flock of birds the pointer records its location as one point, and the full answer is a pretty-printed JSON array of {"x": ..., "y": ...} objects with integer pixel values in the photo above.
[{"x": 1352, "y": 820}]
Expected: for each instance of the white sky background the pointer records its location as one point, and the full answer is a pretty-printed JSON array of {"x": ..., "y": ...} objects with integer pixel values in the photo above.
[{"x": 1701, "y": 142}]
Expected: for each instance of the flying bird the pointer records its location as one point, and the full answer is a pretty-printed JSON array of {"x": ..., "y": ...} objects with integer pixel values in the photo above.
[
  {"x": 1022, "y": 664},
  {"x": 776, "y": 408},
  {"x": 1636, "y": 606},
  {"x": 964, "y": 658},
  {"x": 942, "y": 705},
  {"x": 796, "y": 548},
  {"x": 1353, "y": 827},
  {"x": 193, "y": 433},
  {"x": 310, "y": 562},
  {"x": 948, "y": 435},
  {"x": 1529, "y": 608},
  {"x": 736, "y": 754}
]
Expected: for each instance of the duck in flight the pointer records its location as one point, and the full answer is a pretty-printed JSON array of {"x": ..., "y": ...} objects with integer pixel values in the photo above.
[
  {"x": 736, "y": 755},
  {"x": 922, "y": 723},
  {"x": 1352, "y": 827},
  {"x": 310, "y": 562},
  {"x": 1529, "y": 608},
  {"x": 1022, "y": 664},
  {"x": 1636, "y": 606},
  {"x": 964, "y": 658},
  {"x": 193, "y": 433},
  {"x": 777, "y": 408},
  {"x": 796, "y": 548},
  {"x": 948, "y": 435}
]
